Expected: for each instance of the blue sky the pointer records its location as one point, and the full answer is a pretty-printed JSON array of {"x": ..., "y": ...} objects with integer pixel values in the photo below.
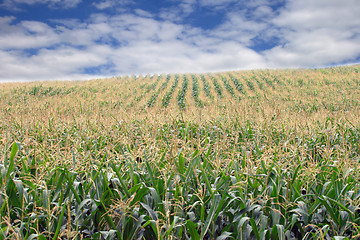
[{"x": 83, "y": 39}]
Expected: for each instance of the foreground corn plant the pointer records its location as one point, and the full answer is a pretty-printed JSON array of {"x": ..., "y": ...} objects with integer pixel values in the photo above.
[
  {"x": 253, "y": 155},
  {"x": 188, "y": 198}
]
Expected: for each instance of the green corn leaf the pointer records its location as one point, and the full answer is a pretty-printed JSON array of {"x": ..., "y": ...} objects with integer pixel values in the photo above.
[
  {"x": 216, "y": 205},
  {"x": 25, "y": 168},
  {"x": 274, "y": 232},
  {"x": 108, "y": 235},
  {"x": 124, "y": 187},
  {"x": 192, "y": 229},
  {"x": 340, "y": 238},
  {"x": 71, "y": 185},
  {"x": 254, "y": 228},
  {"x": 150, "y": 173},
  {"x": 190, "y": 168},
  {"x": 330, "y": 209},
  {"x": 351, "y": 213},
  {"x": 281, "y": 231},
  {"x": 240, "y": 226},
  {"x": 181, "y": 165},
  {"x": 12, "y": 193},
  {"x": 20, "y": 191},
  {"x": 153, "y": 215},
  {"x": 302, "y": 211},
  {"x": 11, "y": 164},
  {"x": 138, "y": 195},
  {"x": 224, "y": 236},
  {"x": 137, "y": 227},
  {"x": 37, "y": 237},
  {"x": 207, "y": 182},
  {"x": 90, "y": 184},
  {"x": 244, "y": 210},
  {"x": 152, "y": 224},
  {"x": 3, "y": 233},
  {"x": 155, "y": 195},
  {"x": 58, "y": 227},
  {"x": 104, "y": 213},
  {"x": 263, "y": 226}
]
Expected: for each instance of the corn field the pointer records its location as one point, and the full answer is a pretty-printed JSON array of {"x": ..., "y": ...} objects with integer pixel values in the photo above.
[{"x": 266, "y": 154}]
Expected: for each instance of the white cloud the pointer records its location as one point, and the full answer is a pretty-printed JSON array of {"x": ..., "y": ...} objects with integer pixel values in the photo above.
[
  {"x": 14, "y": 4},
  {"x": 310, "y": 34},
  {"x": 317, "y": 33},
  {"x": 104, "y": 4},
  {"x": 178, "y": 12},
  {"x": 215, "y": 2},
  {"x": 187, "y": 6},
  {"x": 27, "y": 34},
  {"x": 143, "y": 45},
  {"x": 177, "y": 56},
  {"x": 263, "y": 13},
  {"x": 308, "y": 14},
  {"x": 238, "y": 28},
  {"x": 162, "y": 46},
  {"x": 142, "y": 13},
  {"x": 50, "y": 64}
]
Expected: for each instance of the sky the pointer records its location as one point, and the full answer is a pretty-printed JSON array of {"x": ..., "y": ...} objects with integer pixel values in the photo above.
[{"x": 85, "y": 39}]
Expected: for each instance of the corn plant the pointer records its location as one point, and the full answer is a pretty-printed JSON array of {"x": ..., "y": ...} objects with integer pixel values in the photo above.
[
  {"x": 152, "y": 87},
  {"x": 217, "y": 86},
  {"x": 268, "y": 81},
  {"x": 181, "y": 96},
  {"x": 227, "y": 86},
  {"x": 260, "y": 84},
  {"x": 207, "y": 87},
  {"x": 195, "y": 91},
  {"x": 166, "y": 99},
  {"x": 192, "y": 199},
  {"x": 238, "y": 85},
  {"x": 153, "y": 97},
  {"x": 249, "y": 84},
  {"x": 167, "y": 80}
]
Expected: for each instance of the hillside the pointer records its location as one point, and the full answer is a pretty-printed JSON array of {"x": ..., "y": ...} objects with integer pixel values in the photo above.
[
  {"x": 263, "y": 154},
  {"x": 297, "y": 91}
]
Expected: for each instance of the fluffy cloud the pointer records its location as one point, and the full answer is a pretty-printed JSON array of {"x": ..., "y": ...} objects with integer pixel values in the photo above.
[
  {"x": 239, "y": 28},
  {"x": 215, "y": 2},
  {"x": 299, "y": 34},
  {"x": 26, "y": 34},
  {"x": 128, "y": 43},
  {"x": 60, "y": 63},
  {"x": 316, "y": 33},
  {"x": 105, "y": 4},
  {"x": 13, "y": 4}
]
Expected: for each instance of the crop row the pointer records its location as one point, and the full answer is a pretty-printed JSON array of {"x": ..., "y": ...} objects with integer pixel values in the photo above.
[
  {"x": 153, "y": 97},
  {"x": 260, "y": 84},
  {"x": 167, "y": 80},
  {"x": 249, "y": 84},
  {"x": 166, "y": 99},
  {"x": 152, "y": 87},
  {"x": 227, "y": 85},
  {"x": 268, "y": 81},
  {"x": 238, "y": 85},
  {"x": 39, "y": 90},
  {"x": 207, "y": 87},
  {"x": 195, "y": 91},
  {"x": 265, "y": 81},
  {"x": 181, "y": 96},
  {"x": 217, "y": 86}
]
